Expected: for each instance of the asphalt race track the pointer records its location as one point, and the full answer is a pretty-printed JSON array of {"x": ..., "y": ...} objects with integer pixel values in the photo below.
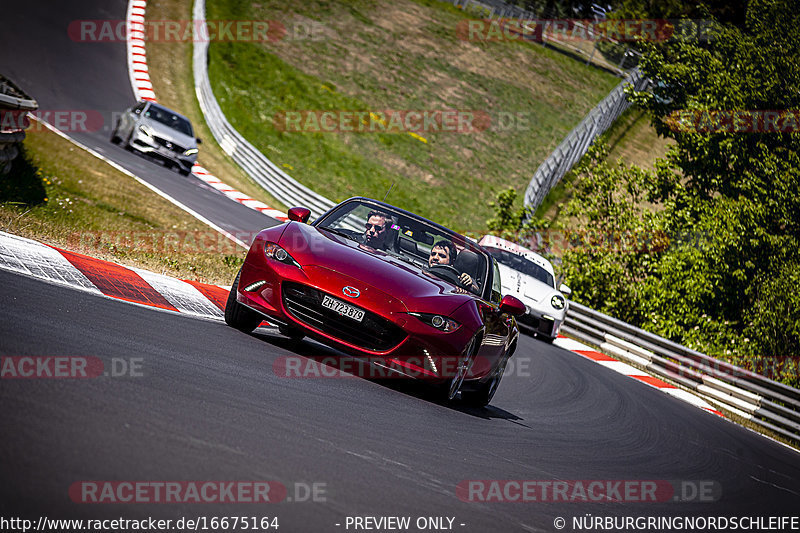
[
  {"x": 206, "y": 403},
  {"x": 37, "y": 53}
]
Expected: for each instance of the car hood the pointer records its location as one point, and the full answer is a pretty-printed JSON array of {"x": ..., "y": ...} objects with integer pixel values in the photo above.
[
  {"x": 523, "y": 286},
  {"x": 417, "y": 290},
  {"x": 172, "y": 135}
]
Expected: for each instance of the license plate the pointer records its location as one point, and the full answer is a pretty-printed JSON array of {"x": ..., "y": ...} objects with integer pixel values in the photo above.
[{"x": 342, "y": 308}]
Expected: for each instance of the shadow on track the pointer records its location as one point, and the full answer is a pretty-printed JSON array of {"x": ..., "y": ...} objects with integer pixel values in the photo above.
[{"x": 319, "y": 361}]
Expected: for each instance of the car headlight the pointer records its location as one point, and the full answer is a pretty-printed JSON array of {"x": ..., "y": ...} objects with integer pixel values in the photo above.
[
  {"x": 147, "y": 130},
  {"x": 557, "y": 301},
  {"x": 442, "y": 323},
  {"x": 275, "y": 252},
  {"x": 190, "y": 151}
]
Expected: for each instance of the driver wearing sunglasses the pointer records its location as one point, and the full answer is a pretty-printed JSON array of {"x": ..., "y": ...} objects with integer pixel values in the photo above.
[{"x": 377, "y": 230}]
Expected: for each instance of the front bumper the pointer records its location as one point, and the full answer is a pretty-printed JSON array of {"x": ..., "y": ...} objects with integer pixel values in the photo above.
[
  {"x": 152, "y": 146},
  {"x": 387, "y": 336},
  {"x": 541, "y": 323}
]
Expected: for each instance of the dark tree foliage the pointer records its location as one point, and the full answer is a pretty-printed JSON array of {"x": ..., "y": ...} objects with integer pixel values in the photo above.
[
  {"x": 738, "y": 190},
  {"x": 705, "y": 249},
  {"x": 724, "y": 11}
]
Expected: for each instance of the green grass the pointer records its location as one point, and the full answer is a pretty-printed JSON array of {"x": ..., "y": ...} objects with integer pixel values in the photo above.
[
  {"x": 633, "y": 140},
  {"x": 630, "y": 139},
  {"x": 400, "y": 55},
  {"x": 170, "y": 66},
  {"x": 61, "y": 195}
]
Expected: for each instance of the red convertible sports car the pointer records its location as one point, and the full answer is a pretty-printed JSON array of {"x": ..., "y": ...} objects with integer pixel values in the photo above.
[{"x": 384, "y": 285}]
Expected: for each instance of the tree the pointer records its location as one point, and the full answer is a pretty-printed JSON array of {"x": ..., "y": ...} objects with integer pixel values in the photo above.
[{"x": 727, "y": 202}]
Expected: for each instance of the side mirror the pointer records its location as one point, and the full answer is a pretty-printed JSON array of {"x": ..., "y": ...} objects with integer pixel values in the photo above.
[
  {"x": 299, "y": 214},
  {"x": 512, "y": 306},
  {"x": 198, "y": 140},
  {"x": 566, "y": 291}
]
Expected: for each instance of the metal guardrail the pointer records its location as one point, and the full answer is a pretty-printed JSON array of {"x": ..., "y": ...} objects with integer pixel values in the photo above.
[
  {"x": 765, "y": 402},
  {"x": 577, "y": 142},
  {"x": 290, "y": 192},
  {"x": 13, "y": 107},
  {"x": 599, "y": 119},
  {"x": 280, "y": 185}
]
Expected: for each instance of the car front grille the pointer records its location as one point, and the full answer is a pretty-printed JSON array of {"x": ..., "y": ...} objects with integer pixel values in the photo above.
[
  {"x": 373, "y": 333},
  {"x": 169, "y": 144}
]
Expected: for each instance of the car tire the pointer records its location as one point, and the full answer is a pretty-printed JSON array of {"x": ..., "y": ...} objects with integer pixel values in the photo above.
[
  {"x": 184, "y": 171},
  {"x": 548, "y": 340},
  {"x": 238, "y": 316},
  {"x": 115, "y": 138},
  {"x": 448, "y": 390},
  {"x": 482, "y": 396},
  {"x": 127, "y": 143}
]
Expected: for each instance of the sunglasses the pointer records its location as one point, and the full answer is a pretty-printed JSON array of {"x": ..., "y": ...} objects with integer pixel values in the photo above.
[{"x": 377, "y": 227}]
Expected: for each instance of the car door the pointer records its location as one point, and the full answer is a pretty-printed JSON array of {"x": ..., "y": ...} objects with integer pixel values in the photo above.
[{"x": 498, "y": 327}]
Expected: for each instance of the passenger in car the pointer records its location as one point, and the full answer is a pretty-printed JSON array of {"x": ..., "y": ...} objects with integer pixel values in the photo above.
[{"x": 442, "y": 253}]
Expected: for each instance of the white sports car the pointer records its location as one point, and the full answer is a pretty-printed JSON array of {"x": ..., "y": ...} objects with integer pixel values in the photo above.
[{"x": 530, "y": 277}]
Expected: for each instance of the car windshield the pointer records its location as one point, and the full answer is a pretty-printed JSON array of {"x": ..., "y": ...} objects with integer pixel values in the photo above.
[
  {"x": 168, "y": 118},
  {"x": 386, "y": 231},
  {"x": 522, "y": 264}
]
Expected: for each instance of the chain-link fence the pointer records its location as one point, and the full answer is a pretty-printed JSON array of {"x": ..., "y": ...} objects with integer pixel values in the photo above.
[
  {"x": 599, "y": 119},
  {"x": 577, "y": 142}
]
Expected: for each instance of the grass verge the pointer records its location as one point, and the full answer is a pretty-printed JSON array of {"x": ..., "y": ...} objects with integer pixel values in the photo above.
[
  {"x": 633, "y": 140},
  {"x": 400, "y": 55},
  {"x": 61, "y": 195},
  {"x": 630, "y": 139},
  {"x": 170, "y": 68}
]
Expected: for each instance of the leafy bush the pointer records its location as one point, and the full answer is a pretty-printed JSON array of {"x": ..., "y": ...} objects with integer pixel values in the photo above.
[{"x": 718, "y": 264}]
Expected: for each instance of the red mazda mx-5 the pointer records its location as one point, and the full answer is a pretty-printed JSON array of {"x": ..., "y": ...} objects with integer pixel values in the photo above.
[{"x": 387, "y": 285}]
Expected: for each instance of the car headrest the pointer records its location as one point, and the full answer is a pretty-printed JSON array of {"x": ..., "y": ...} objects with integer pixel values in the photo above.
[
  {"x": 408, "y": 246},
  {"x": 468, "y": 262}
]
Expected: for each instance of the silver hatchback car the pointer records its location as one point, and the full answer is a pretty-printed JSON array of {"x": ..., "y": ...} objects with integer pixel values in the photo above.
[{"x": 160, "y": 132}]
